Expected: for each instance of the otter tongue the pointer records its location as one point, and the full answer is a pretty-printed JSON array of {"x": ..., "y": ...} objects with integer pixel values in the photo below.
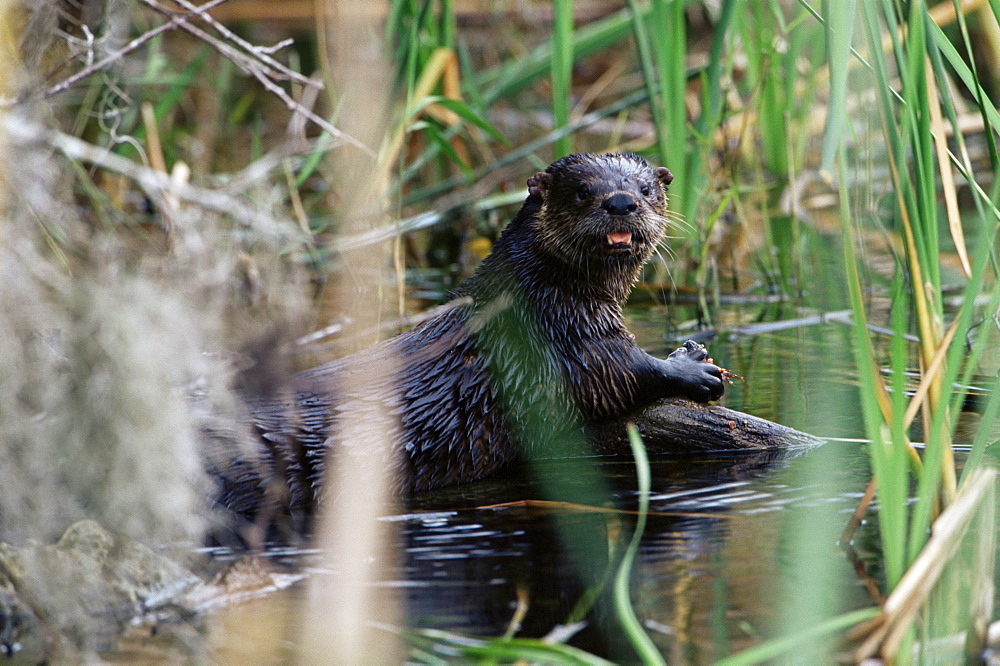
[{"x": 619, "y": 237}]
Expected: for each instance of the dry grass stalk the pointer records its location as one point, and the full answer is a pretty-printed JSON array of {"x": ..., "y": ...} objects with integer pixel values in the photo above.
[
  {"x": 910, "y": 595},
  {"x": 342, "y": 608}
]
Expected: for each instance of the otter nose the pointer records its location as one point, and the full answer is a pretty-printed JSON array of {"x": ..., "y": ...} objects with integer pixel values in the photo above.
[{"x": 619, "y": 204}]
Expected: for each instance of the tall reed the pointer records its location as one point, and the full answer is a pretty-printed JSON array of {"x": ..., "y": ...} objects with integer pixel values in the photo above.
[
  {"x": 904, "y": 58},
  {"x": 661, "y": 45}
]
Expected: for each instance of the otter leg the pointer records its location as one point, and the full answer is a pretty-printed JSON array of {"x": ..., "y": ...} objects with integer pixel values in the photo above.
[{"x": 685, "y": 373}]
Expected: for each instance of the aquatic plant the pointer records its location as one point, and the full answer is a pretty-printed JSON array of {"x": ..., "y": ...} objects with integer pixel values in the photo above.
[
  {"x": 911, "y": 116},
  {"x": 930, "y": 587}
]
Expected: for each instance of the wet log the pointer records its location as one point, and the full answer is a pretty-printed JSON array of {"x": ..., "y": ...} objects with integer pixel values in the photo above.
[{"x": 676, "y": 425}]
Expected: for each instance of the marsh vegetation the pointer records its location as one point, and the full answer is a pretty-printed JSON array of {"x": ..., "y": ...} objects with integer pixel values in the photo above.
[{"x": 187, "y": 187}]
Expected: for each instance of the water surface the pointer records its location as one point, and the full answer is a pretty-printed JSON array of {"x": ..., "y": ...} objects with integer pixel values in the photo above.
[
  {"x": 737, "y": 547},
  {"x": 711, "y": 574}
]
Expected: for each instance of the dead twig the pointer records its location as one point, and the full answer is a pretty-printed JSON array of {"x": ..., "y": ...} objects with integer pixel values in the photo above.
[
  {"x": 255, "y": 68},
  {"x": 156, "y": 184},
  {"x": 254, "y": 60},
  {"x": 885, "y": 633},
  {"x": 104, "y": 63},
  {"x": 260, "y": 52}
]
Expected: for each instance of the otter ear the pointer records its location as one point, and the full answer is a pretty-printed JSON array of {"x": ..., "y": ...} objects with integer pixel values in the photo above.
[
  {"x": 538, "y": 184},
  {"x": 664, "y": 175}
]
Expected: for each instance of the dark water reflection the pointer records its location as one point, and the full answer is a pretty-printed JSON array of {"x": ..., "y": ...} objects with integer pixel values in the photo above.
[
  {"x": 708, "y": 578},
  {"x": 724, "y": 544}
]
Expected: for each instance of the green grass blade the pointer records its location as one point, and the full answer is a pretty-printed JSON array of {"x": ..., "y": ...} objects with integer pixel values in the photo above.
[
  {"x": 995, "y": 6},
  {"x": 518, "y": 153},
  {"x": 562, "y": 71},
  {"x": 463, "y": 111},
  {"x": 773, "y": 649},
  {"x": 892, "y": 469},
  {"x": 313, "y": 159},
  {"x": 839, "y": 27},
  {"x": 434, "y": 644},
  {"x": 640, "y": 640},
  {"x": 711, "y": 114},
  {"x": 179, "y": 86},
  {"x": 447, "y": 24},
  {"x": 434, "y": 134},
  {"x": 991, "y": 117},
  {"x": 885, "y": 455},
  {"x": 990, "y": 415},
  {"x": 504, "y": 80},
  {"x": 669, "y": 26},
  {"x": 645, "y": 55}
]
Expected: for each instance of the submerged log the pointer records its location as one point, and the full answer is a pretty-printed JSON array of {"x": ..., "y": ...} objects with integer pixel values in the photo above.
[{"x": 676, "y": 425}]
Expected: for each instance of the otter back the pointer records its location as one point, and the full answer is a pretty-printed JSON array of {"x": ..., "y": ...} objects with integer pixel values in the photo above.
[{"x": 535, "y": 354}]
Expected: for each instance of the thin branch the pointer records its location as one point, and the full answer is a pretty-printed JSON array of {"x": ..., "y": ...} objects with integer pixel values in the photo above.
[
  {"x": 153, "y": 182},
  {"x": 158, "y": 184},
  {"x": 319, "y": 121},
  {"x": 259, "y": 52},
  {"x": 175, "y": 20},
  {"x": 387, "y": 232},
  {"x": 262, "y": 167},
  {"x": 253, "y": 67}
]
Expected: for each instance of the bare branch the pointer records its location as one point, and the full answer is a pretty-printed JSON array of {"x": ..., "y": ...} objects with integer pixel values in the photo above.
[
  {"x": 255, "y": 62},
  {"x": 387, "y": 232},
  {"x": 260, "y": 52},
  {"x": 153, "y": 182},
  {"x": 254, "y": 68},
  {"x": 175, "y": 20},
  {"x": 157, "y": 184}
]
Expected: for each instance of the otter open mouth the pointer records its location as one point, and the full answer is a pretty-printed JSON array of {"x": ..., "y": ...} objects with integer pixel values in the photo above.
[{"x": 620, "y": 240}]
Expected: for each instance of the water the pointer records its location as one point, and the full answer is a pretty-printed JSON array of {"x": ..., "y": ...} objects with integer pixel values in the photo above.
[
  {"x": 708, "y": 574},
  {"x": 736, "y": 548},
  {"x": 711, "y": 574}
]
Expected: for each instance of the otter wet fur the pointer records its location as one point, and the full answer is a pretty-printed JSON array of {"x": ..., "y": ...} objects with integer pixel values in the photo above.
[{"x": 532, "y": 354}]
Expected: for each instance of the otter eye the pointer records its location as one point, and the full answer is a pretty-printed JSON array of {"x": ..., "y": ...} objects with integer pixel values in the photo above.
[
  {"x": 644, "y": 190},
  {"x": 583, "y": 193}
]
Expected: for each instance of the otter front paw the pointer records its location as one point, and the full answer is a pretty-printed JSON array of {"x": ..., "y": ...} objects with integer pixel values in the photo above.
[{"x": 697, "y": 377}]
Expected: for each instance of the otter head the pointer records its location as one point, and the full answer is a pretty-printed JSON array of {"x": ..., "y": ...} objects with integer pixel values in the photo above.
[{"x": 601, "y": 211}]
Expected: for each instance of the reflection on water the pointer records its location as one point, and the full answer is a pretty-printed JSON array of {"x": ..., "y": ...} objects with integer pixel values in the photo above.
[
  {"x": 729, "y": 541},
  {"x": 708, "y": 579}
]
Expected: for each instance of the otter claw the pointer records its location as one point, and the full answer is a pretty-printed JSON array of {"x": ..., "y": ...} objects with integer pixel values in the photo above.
[{"x": 693, "y": 350}]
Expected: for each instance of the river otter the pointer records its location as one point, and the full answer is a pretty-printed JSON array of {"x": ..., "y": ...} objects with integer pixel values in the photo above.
[{"x": 532, "y": 354}]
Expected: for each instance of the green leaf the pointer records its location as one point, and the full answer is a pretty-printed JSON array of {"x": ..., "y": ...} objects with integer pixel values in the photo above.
[
  {"x": 839, "y": 24},
  {"x": 462, "y": 110},
  {"x": 640, "y": 640}
]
